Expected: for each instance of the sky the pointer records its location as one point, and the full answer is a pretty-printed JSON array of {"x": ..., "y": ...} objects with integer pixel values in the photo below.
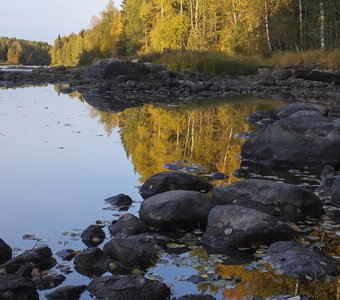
[{"x": 43, "y": 20}]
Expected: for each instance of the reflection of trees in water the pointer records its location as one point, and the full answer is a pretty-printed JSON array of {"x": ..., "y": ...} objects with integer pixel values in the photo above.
[{"x": 204, "y": 134}]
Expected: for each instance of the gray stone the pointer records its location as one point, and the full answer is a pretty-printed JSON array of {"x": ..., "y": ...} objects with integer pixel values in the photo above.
[
  {"x": 119, "y": 200},
  {"x": 5, "y": 252},
  {"x": 66, "y": 293},
  {"x": 93, "y": 236},
  {"x": 285, "y": 201},
  {"x": 196, "y": 297},
  {"x": 289, "y": 110},
  {"x": 123, "y": 287},
  {"x": 126, "y": 225},
  {"x": 176, "y": 209},
  {"x": 232, "y": 226},
  {"x": 281, "y": 74},
  {"x": 17, "y": 287},
  {"x": 297, "y": 260},
  {"x": 168, "y": 181}
]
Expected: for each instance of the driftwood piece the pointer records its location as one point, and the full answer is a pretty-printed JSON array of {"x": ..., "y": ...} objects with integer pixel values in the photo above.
[{"x": 333, "y": 78}]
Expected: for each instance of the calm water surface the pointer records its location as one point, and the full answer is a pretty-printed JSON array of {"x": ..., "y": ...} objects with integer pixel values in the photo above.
[{"x": 60, "y": 158}]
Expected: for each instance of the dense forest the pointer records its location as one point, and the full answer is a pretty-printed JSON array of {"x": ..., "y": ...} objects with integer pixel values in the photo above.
[
  {"x": 230, "y": 26},
  {"x": 15, "y": 51}
]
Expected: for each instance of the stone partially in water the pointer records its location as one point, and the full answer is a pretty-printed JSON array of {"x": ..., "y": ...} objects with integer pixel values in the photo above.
[
  {"x": 231, "y": 227},
  {"x": 168, "y": 181},
  {"x": 176, "y": 209},
  {"x": 123, "y": 287},
  {"x": 289, "y": 110},
  {"x": 126, "y": 225},
  {"x": 196, "y": 297},
  {"x": 5, "y": 252},
  {"x": 120, "y": 200},
  {"x": 297, "y": 260},
  {"x": 93, "y": 236},
  {"x": 17, "y": 287},
  {"x": 41, "y": 256},
  {"x": 310, "y": 141},
  {"x": 66, "y": 293},
  {"x": 134, "y": 252},
  {"x": 284, "y": 201}
]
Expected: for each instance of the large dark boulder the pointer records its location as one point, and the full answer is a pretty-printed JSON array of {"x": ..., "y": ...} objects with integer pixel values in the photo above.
[
  {"x": 123, "y": 287},
  {"x": 310, "y": 141},
  {"x": 292, "y": 109},
  {"x": 176, "y": 209},
  {"x": 126, "y": 225},
  {"x": 285, "y": 201},
  {"x": 113, "y": 67},
  {"x": 40, "y": 256},
  {"x": 168, "y": 181},
  {"x": 232, "y": 226},
  {"x": 92, "y": 262},
  {"x": 297, "y": 260},
  {"x": 66, "y": 293},
  {"x": 133, "y": 252},
  {"x": 93, "y": 236},
  {"x": 5, "y": 252},
  {"x": 17, "y": 287}
]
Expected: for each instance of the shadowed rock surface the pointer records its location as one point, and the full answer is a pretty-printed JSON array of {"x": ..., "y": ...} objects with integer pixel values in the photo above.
[
  {"x": 231, "y": 226},
  {"x": 123, "y": 287},
  {"x": 5, "y": 252},
  {"x": 284, "y": 201},
  {"x": 169, "y": 181},
  {"x": 16, "y": 287},
  {"x": 67, "y": 293},
  {"x": 176, "y": 209},
  {"x": 126, "y": 225}
]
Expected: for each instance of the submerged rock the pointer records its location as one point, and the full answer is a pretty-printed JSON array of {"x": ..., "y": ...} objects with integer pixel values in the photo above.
[
  {"x": 232, "y": 226},
  {"x": 168, "y": 181},
  {"x": 120, "y": 200},
  {"x": 92, "y": 262},
  {"x": 310, "y": 141},
  {"x": 134, "y": 252},
  {"x": 93, "y": 236},
  {"x": 176, "y": 209},
  {"x": 67, "y": 293},
  {"x": 41, "y": 256},
  {"x": 123, "y": 287},
  {"x": 126, "y": 225},
  {"x": 284, "y": 201},
  {"x": 5, "y": 252},
  {"x": 297, "y": 260}
]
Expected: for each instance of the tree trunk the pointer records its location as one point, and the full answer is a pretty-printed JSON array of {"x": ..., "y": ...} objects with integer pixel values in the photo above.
[
  {"x": 300, "y": 23},
  {"x": 267, "y": 25},
  {"x": 322, "y": 26}
]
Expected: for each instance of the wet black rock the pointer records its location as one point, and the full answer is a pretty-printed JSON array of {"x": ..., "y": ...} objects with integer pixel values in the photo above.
[
  {"x": 126, "y": 225},
  {"x": 289, "y": 110},
  {"x": 281, "y": 74},
  {"x": 5, "y": 252},
  {"x": 41, "y": 256},
  {"x": 92, "y": 262},
  {"x": 297, "y": 260},
  {"x": 285, "y": 201},
  {"x": 196, "y": 297},
  {"x": 310, "y": 141},
  {"x": 261, "y": 115},
  {"x": 133, "y": 252},
  {"x": 93, "y": 236},
  {"x": 112, "y": 68},
  {"x": 232, "y": 226},
  {"x": 16, "y": 287},
  {"x": 67, "y": 293},
  {"x": 168, "y": 181},
  {"x": 48, "y": 281},
  {"x": 123, "y": 287},
  {"x": 120, "y": 200},
  {"x": 176, "y": 209}
]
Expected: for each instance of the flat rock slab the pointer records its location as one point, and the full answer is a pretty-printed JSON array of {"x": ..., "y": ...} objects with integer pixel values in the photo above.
[
  {"x": 135, "y": 251},
  {"x": 176, "y": 209},
  {"x": 232, "y": 226},
  {"x": 123, "y": 287},
  {"x": 309, "y": 141},
  {"x": 300, "y": 261},
  {"x": 169, "y": 181},
  {"x": 284, "y": 201}
]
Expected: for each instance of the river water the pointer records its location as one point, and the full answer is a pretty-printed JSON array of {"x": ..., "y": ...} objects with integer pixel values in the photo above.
[{"x": 60, "y": 158}]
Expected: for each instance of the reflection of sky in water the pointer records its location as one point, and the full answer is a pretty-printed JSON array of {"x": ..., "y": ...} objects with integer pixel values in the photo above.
[{"x": 58, "y": 164}]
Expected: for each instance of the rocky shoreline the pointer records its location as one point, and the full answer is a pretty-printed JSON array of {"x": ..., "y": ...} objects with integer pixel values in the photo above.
[{"x": 242, "y": 216}]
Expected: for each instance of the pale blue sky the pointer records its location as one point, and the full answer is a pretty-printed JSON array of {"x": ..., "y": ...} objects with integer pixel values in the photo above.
[{"x": 43, "y": 20}]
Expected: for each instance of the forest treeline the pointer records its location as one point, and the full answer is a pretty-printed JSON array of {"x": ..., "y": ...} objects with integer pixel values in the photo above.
[
  {"x": 230, "y": 26},
  {"x": 16, "y": 51}
]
